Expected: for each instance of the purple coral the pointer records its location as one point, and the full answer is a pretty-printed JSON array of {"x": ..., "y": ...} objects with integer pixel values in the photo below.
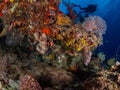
[
  {"x": 95, "y": 24},
  {"x": 27, "y": 82},
  {"x": 87, "y": 55}
]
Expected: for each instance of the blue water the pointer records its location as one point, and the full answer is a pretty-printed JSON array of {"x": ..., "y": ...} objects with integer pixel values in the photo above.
[{"x": 109, "y": 10}]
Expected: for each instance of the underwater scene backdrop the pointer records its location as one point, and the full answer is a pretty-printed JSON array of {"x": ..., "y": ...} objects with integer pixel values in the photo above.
[{"x": 59, "y": 45}]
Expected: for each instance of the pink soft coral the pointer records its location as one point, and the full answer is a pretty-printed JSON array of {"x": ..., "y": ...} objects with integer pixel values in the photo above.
[
  {"x": 95, "y": 24},
  {"x": 27, "y": 82},
  {"x": 87, "y": 55}
]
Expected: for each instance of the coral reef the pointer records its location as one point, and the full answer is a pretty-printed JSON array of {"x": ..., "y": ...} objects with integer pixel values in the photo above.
[
  {"x": 28, "y": 74},
  {"x": 103, "y": 80},
  {"x": 27, "y": 82},
  {"x": 42, "y": 48},
  {"x": 14, "y": 38},
  {"x": 50, "y": 31},
  {"x": 101, "y": 56}
]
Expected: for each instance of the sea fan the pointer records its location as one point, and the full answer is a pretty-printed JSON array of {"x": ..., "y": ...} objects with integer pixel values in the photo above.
[{"x": 95, "y": 24}]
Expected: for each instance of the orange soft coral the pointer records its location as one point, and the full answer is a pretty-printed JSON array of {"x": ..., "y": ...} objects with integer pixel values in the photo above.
[
  {"x": 47, "y": 31},
  {"x": 1, "y": 14}
]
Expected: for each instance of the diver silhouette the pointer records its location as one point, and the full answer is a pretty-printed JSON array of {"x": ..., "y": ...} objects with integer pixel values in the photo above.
[
  {"x": 89, "y": 9},
  {"x": 83, "y": 11}
]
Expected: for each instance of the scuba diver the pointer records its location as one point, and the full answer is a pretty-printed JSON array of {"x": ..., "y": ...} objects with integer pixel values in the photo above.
[
  {"x": 83, "y": 12},
  {"x": 89, "y": 9}
]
